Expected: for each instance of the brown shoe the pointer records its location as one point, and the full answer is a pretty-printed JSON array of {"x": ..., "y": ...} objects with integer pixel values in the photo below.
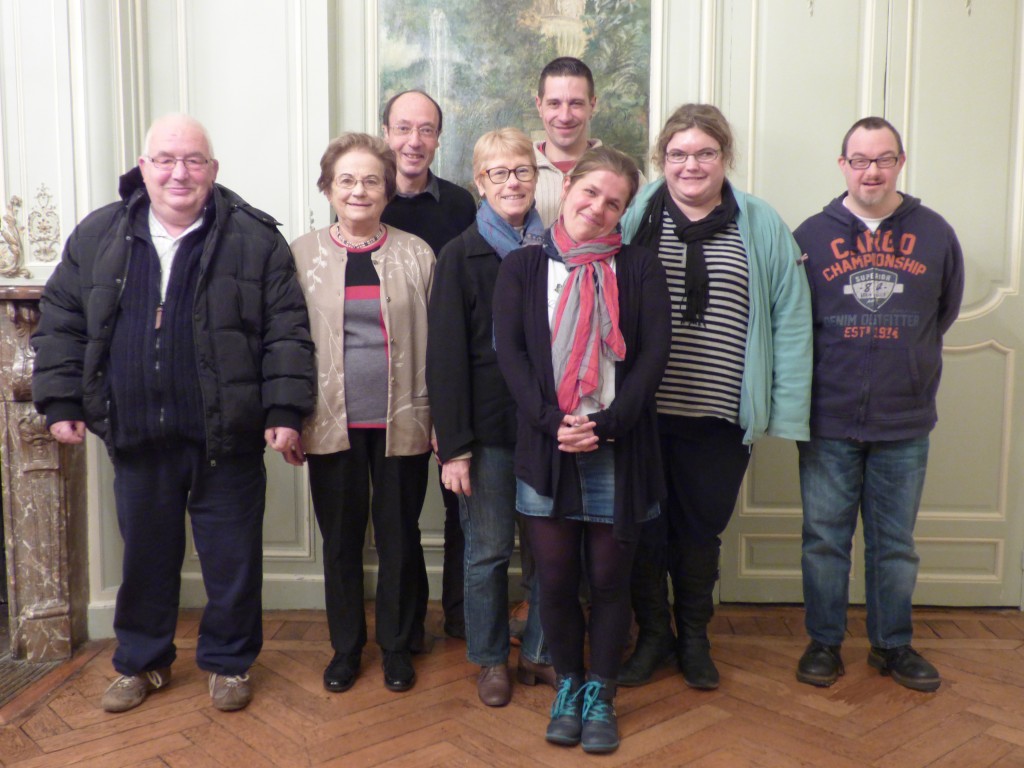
[
  {"x": 230, "y": 692},
  {"x": 531, "y": 673},
  {"x": 128, "y": 691},
  {"x": 494, "y": 685}
]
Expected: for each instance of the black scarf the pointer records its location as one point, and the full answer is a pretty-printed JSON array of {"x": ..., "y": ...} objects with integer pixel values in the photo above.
[{"x": 692, "y": 234}]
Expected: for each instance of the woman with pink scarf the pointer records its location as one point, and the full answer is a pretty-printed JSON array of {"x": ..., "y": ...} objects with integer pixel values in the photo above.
[{"x": 581, "y": 326}]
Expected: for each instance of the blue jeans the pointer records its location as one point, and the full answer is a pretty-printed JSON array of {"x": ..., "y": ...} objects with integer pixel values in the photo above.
[
  {"x": 488, "y": 525},
  {"x": 884, "y": 480},
  {"x": 488, "y": 517}
]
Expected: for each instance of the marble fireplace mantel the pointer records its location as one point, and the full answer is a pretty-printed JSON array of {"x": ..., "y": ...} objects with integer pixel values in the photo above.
[{"x": 44, "y": 502}]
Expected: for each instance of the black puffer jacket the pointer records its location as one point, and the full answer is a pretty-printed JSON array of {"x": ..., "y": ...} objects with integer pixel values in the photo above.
[{"x": 251, "y": 330}]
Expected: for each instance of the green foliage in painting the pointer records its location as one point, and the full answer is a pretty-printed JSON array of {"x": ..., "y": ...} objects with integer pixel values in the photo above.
[{"x": 481, "y": 58}]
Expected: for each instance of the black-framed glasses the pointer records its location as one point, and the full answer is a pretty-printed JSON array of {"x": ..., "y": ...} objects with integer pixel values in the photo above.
[
  {"x": 167, "y": 163},
  {"x": 863, "y": 163},
  {"x": 702, "y": 156},
  {"x": 522, "y": 172}
]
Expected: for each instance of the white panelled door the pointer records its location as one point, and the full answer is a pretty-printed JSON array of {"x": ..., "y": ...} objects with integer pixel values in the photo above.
[
  {"x": 948, "y": 74},
  {"x": 268, "y": 114}
]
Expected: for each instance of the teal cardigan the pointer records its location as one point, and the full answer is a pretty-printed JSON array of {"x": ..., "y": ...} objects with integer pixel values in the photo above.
[{"x": 775, "y": 396}]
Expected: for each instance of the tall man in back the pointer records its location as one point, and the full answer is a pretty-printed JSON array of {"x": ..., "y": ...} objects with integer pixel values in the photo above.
[
  {"x": 887, "y": 277},
  {"x": 566, "y": 102},
  {"x": 435, "y": 210},
  {"x": 175, "y": 329}
]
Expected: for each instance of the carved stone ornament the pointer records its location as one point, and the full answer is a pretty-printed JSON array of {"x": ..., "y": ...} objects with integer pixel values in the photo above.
[
  {"x": 11, "y": 251},
  {"x": 17, "y": 351},
  {"x": 39, "y": 450},
  {"x": 44, "y": 226}
]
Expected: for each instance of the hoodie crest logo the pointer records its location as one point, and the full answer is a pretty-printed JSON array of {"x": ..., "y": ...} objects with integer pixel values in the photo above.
[{"x": 873, "y": 287}]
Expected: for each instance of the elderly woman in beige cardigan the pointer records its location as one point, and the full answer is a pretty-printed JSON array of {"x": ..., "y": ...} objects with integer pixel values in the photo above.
[{"x": 366, "y": 286}]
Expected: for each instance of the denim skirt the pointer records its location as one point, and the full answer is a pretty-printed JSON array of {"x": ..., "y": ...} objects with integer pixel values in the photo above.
[{"x": 597, "y": 491}]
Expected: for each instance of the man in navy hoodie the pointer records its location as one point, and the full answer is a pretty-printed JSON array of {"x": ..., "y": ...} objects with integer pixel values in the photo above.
[{"x": 886, "y": 277}]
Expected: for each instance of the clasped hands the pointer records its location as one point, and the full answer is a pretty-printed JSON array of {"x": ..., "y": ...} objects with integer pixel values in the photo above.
[{"x": 576, "y": 435}]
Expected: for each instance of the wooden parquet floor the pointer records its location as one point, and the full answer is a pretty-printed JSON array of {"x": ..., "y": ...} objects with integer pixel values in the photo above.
[{"x": 760, "y": 716}]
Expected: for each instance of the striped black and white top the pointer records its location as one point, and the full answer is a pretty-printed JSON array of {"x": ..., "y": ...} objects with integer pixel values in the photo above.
[{"x": 705, "y": 366}]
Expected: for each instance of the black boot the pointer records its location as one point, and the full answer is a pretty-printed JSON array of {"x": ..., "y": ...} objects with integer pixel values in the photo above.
[
  {"x": 648, "y": 587},
  {"x": 696, "y": 572},
  {"x": 600, "y": 725}
]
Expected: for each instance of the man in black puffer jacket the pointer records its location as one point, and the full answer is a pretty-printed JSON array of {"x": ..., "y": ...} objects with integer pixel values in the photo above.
[{"x": 174, "y": 329}]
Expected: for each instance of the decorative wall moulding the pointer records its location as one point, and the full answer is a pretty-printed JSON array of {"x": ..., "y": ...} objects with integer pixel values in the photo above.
[
  {"x": 44, "y": 227},
  {"x": 43, "y": 234},
  {"x": 12, "y": 253}
]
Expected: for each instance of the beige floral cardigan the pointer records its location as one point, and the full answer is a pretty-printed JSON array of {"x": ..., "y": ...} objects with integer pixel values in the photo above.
[{"x": 405, "y": 265}]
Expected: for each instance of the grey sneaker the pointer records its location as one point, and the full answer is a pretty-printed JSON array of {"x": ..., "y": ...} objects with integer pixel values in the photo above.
[
  {"x": 128, "y": 691},
  {"x": 230, "y": 692}
]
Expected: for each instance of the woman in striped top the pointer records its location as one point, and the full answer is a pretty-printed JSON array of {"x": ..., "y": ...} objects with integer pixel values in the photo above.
[{"x": 739, "y": 368}]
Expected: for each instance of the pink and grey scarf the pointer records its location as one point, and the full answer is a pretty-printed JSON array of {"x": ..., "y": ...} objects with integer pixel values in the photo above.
[{"x": 586, "y": 323}]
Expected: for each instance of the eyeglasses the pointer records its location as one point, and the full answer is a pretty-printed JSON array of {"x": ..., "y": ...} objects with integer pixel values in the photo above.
[
  {"x": 500, "y": 175},
  {"x": 424, "y": 131},
  {"x": 702, "y": 156},
  {"x": 863, "y": 163},
  {"x": 167, "y": 163},
  {"x": 370, "y": 183}
]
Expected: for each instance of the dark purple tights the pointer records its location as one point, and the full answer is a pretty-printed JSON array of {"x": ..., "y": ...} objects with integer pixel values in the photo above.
[{"x": 557, "y": 552}]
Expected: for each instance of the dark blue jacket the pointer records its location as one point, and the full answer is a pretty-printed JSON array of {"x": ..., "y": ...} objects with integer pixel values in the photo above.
[{"x": 881, "y": 304}]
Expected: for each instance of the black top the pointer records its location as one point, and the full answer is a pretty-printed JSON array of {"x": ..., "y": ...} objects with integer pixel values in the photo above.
[
  {"x": 523, "y": 338},
  {"x": 469, "y": 400},
  {"x": 434, "y": 219}
]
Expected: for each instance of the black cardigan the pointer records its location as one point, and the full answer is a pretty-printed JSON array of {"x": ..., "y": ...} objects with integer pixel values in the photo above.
[
  {"x": 523, "y": 337},
  {"x": 469, "y": 401}
]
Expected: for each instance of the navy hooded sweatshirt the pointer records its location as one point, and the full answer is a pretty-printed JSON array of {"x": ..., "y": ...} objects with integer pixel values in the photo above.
[{"x": 881, "y": 303}]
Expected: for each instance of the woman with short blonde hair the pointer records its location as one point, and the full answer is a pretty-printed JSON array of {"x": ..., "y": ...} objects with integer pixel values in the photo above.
[{"x": 474, "y": 414}]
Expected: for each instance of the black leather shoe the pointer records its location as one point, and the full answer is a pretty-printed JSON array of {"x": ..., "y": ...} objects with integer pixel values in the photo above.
[
  {"x": 399, "y": 674},
  {"x": 907, "y": 667},
  {"x": 699, "y": 671},
  {"x": 342, "y": 672},
  {"x": 820, "y": 665}
]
